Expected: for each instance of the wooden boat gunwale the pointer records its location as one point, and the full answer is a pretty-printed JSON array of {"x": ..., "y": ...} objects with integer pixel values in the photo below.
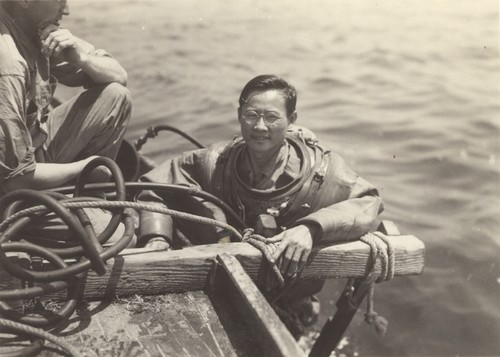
[{"x": 237, "y": 267}]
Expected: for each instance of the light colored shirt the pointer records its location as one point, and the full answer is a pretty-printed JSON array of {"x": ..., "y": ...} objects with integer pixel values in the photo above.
[
  {"x": 279, "y": 171},
  {"x": 27, "y": 84},
  {"x": 18, "y": 115}
]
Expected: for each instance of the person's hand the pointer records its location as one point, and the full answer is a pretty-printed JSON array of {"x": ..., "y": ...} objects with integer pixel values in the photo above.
[
  {"x": 157, "y": 243},
  {"x": 56, "y": 41},
  {"x": 294, "y": 249}
]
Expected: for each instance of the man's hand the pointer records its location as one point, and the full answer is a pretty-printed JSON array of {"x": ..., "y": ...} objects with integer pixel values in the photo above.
[
  {"x": 294, "y": 249},
  {"x": 60, "y": 45},
  {"x": 56, "y": 41}
]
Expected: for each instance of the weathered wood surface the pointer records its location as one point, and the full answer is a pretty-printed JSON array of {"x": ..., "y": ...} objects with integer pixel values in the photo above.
[
  {"x": 143, "y": 271},
  {"x": 267, "y": 335},
  {"x": 181, "y": 325},
  {"x": 232, "y": 319}
]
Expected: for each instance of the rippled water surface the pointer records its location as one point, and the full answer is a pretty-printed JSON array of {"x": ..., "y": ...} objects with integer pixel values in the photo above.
[{"x": 406, "y": 91}]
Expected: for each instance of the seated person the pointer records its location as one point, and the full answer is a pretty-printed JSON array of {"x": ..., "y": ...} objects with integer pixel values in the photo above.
[
  {"x": 42, "y": 149},
  {"x": 275, "y": 168}
]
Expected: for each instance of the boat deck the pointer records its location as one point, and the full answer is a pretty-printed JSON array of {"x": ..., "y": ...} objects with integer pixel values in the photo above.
[
  {"x": 205, "y": 300},
  {"x": 183, "y": 324}
]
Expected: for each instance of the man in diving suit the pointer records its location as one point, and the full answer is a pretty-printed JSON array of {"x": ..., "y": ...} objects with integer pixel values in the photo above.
[{"x": 275, "y": 168}]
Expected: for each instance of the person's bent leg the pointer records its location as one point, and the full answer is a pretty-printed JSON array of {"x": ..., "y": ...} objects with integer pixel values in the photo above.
[{"x": 92, "y": 123}]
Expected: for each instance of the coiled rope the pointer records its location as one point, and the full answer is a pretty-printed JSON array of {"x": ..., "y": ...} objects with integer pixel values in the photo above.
[
  {"x": 93, "y": 253},
  {"x": 380, "y": 247},
  {"x": 262, "y": 244},
  {"x": 35, "y": 210},
  {"x": 37, "y": 332},
  {"x": 379, "y": 244}
]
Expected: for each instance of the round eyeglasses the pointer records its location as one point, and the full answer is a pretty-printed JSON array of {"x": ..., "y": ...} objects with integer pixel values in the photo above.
[{"x": 270, "y": 118}]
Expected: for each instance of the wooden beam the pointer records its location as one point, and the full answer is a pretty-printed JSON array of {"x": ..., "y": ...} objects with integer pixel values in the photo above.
[
  {"x": 267, "y": 335},
  {"x": 347, "y": 305},
  {"x": 335, "y": 327},
  {"x": 388, "y": 228},
  {"x": 143, "y": 271}
]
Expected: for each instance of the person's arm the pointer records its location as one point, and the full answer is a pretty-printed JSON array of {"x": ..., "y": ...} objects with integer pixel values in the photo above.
[
  {"x": 48, "y": 175},
  {"x": 61, "y": 44},
  {"x": 342, "y": 221},
  {"x": 349, "y": 219}
]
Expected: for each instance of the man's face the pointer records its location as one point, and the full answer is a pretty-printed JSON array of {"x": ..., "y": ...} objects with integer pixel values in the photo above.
[
  {"x": 44, "y": 12},
  {"x": 261, "y": 137}
]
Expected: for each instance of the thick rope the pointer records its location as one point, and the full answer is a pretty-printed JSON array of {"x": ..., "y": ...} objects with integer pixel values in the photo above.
[
  {"x": 267, "y": 246},
  {"x": 261, "y": 243},
  {"x": 380, "y": 246},
  {"x": 391, "y": 254},
  {"x": 22, "y": 328},
  {"x": 37, "y": 210},
  {"x": 40, "y": 210}
]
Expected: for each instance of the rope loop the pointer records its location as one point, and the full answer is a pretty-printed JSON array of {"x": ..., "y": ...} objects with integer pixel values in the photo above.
[
  {"x": 16, "y": 214},
  {"x": 262, "y": 243},
  {"x": 247, "y": 233},
  {"x": 380, "y": 246},
  {"x": 39, "y": 333}
]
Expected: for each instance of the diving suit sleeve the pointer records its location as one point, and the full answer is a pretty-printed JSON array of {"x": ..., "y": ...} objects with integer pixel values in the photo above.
[{"x": 348, "y": 219}]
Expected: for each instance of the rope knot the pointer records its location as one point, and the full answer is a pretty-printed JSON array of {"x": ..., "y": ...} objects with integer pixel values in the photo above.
[
  {"x": 379, "y": 322},
  {"x": 247, "y": 234},
  {"x": 380, "y": 246},
  {"x": 370, "y": 317},
  {"x": 264, "y": 245}
]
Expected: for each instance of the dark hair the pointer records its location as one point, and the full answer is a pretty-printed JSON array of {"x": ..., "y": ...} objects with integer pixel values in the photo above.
[{"x": 267, "y": 82}]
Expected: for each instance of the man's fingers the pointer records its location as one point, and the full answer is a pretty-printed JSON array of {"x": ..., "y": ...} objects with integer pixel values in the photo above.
[
  {"x": 52, "y": 47},
  {"x": 49, "y": 45},
  {"x": 303, "y": 261},
  {"x": 279, "y": 250},
  {"x": 47, "y": 30},
  {"x": 57, "y": 41},
  {"x": 290, "y": 260},
  {"x": 292, "y": 268},
  {"x": 62, "y": 46}
]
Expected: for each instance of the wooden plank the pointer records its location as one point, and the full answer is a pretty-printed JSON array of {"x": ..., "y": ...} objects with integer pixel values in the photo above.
[
  {"x": 347, "y": 305},
  {"x": 181, "y": 325},
  {"x": 143, "y": 271},
  {"x": 389, "y": 228},
  {"x": 335, "y": 327},
  {"x": 269, "y": 335}
]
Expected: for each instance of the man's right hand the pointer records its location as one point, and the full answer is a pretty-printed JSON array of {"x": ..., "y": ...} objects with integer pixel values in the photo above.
[
  {"x": 62, "y": 46},
  {"x": 56, "y": 42}
]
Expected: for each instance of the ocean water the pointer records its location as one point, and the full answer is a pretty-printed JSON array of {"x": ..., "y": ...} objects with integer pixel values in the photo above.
[{"x": 407, "y": 91}]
